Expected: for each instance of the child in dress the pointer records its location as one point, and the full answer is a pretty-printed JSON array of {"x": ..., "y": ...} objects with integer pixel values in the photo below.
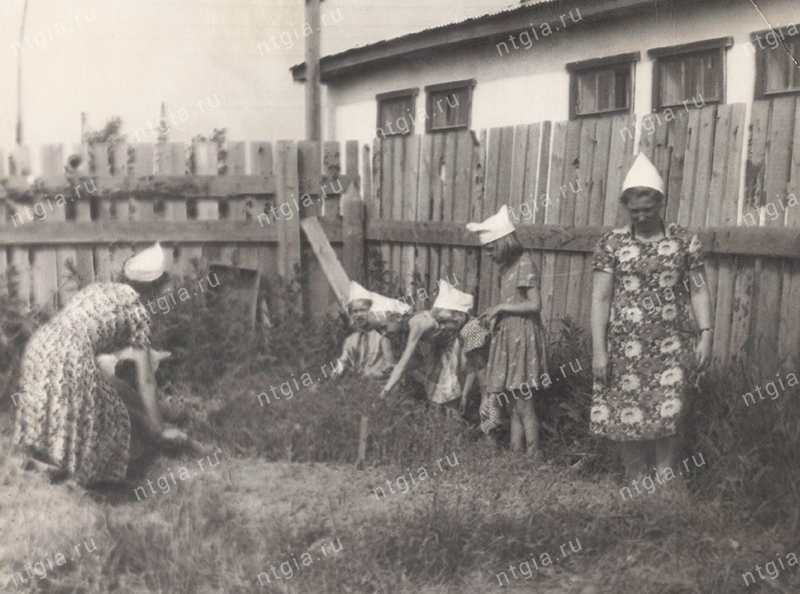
[
  {"x": 517, "y": 353},
  {"x": 434, "y": 348}
]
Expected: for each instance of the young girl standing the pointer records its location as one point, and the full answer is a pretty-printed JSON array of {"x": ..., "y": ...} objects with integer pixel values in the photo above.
[{"x": 517, "y": 355}]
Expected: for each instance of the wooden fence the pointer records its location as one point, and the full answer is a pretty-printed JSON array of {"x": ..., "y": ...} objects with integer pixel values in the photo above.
[
  {"x": 71, "y": 227},
  {"x": 562, "y": 180}
]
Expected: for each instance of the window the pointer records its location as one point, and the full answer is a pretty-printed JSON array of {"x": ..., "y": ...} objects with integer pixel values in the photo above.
[
  {"x": 449, "y": 106},
  {"x": 691, "y": 72},
  {"x": 601, "y": 86},
  {"x": 396, "y": 113},
  {"x": 777, "y": 56}
]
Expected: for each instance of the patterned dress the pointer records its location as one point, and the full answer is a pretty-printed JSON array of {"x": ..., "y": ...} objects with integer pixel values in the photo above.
[
  {"x": 67, "y": 415},
  {"x": 650, "y": 333},
  {"x": 517, "y": 356}
]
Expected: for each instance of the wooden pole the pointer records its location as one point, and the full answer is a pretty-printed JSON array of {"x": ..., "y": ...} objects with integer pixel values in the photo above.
[{"x": 313, "y": 107}]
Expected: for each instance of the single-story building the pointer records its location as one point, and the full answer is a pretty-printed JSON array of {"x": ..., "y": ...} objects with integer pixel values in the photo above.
[{"x": 553, "y": 60}]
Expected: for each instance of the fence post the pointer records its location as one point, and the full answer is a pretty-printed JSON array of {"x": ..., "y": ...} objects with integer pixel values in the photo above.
[
  {"x": 287, "y": 184},
  {"x": 353, "y": 233}
]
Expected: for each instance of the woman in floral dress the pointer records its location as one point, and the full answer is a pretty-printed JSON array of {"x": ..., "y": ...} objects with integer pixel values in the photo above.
[
  {"x": 648, "y": 280},
  {"x": 70, "y": 415}
]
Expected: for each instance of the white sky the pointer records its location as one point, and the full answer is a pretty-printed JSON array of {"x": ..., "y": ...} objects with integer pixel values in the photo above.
[{"x": 137, "y": 53}]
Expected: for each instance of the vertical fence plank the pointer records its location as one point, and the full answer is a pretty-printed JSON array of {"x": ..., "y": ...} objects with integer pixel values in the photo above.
[
  {"x": 309, "y": 161},
  {"x": 677, "y": 138},
  {"x": 84, "y": 258},
  {"x": 286, "y": 181},
  {"x": 705, "y": 150},
  {"x": 556, "y": 175},
  {"x": 233, "y": 254},
  {"x": 778, "y": 164},
  {"x": 518, "y": 169},
  {"x": 488, "y": 275},
  {"x": 386, "y": 187},
  {"x": 331, "y": 168},
  {"x": 100, "y": 167},
  {"x": 172, "y": 161},
  {"x": 579, "y": 285},
  {"x": 739, "y": 345},
  {"x": 462, "y": 200},
  {"x": 448, "y": 174},
  {"x": 437, "y": 271},
  {"x": 261, "y": 163},
  {"x": 409, "y": 212},
  {"x": 733, "y": 178},
  {"x": 602, "y": 155},
  {"x": 621, "y": 146},
  {"x": 789, "y": 331},
  {"x": 118, "y": 164},
  {"x": 690, "y": 167},
  {"x": 561, "y": 276},
  {"x": 50, "y": 268},
  {"x": 719, "y": 167},
  {"x": 353, "y": 233},
  {"x": 398, "y": 177},
  {"x": 423, "y": 212},
  {"x": 475, "y": 261}
]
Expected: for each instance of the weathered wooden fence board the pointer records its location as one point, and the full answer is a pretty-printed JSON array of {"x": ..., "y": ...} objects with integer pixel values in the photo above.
[{"x": 564, "y": 178}]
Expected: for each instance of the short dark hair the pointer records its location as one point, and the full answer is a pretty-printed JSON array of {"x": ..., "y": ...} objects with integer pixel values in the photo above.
[
  {"x": 148, "y": 290},
  {"x": 638, "y": 192},
  {"x": 509, "y": 248}
]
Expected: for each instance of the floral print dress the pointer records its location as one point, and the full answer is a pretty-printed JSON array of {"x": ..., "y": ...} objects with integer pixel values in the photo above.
[
  {"x": 651, "y": 333},
  {"x": 67, "y": 415}
]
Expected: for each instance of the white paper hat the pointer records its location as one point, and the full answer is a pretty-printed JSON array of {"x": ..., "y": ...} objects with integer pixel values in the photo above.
[
  {"x": 496, "y": 226},
  {"x": 146, "y": 266},
  {"x": 384, "y": 306},
  {"x": 358, "y": 292},
  {"x": 643, "y": 174},
  {"x": 451, "y": 298}
]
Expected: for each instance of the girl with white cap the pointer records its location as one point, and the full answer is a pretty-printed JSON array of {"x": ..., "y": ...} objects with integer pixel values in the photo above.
[
  {"x": 436, "y": 334},
  {"x": 645, "y": 349},
  {"x": 517, "y": 352},
  {"x": 70, "y": 415}
]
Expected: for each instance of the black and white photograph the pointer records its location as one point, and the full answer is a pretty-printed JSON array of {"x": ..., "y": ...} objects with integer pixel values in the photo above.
[{"x": 438, "y": 297}]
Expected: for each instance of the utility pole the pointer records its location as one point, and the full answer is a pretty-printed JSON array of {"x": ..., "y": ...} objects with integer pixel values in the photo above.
[
  {"x": 313, "y": 92},
  {"x": 19, "y": 74}
]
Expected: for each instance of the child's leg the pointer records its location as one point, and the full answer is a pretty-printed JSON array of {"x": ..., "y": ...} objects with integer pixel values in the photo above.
[
  {"x": 527, "y": 415},
  {"x": 517, "y": 435}
]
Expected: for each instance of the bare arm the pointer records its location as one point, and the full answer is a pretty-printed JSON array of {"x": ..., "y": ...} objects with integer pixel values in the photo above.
[
  {"x": 418, "y": 325},
  {"x": 701, "y": 305},
  {"x": 602, "y": 293}
]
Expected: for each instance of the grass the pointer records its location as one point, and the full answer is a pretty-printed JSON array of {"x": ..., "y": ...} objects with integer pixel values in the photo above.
[{"x": 286, "y": 485}]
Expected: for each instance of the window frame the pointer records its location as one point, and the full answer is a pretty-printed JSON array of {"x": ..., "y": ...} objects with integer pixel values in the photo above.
[
  {"x": 761, "y": 65},
  {"x": 595, "y": 64},
  {"x": 457, "y": 85},
  {"x": 411, "y": 93},
  {"x": 720, "y": 44}
]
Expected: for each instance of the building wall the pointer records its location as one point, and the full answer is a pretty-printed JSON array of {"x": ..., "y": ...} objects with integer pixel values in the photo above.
[{"x": 531, "y": 84}]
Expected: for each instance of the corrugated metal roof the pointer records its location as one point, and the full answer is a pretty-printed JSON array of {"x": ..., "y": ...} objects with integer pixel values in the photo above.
[{"x": 520, "y": 7}]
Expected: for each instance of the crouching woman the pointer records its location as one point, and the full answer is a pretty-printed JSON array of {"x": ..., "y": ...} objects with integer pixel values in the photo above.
[{"x": 71, "y": 417}]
